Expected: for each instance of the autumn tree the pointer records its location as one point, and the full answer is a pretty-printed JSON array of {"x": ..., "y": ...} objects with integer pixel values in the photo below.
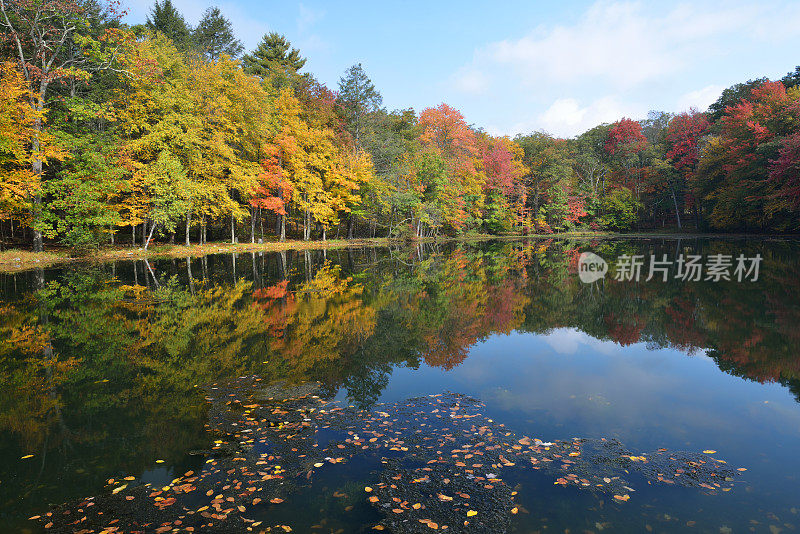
[
  {"x": 624, "y": 146},
  {"x": 738, "y": 191},
  {"x": 445, "y": 135},
  {"x": 165, "y": 185},
  {"x": 548, "y": 180},
  {"x": 501, "y": 161},
  {"x": 683, "y": 137},
  {"x": 20, "y": 135},
  {"x": 52, "y": 43}
]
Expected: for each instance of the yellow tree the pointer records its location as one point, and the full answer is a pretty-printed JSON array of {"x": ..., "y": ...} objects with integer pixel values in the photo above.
[
  {"x": 19, "y": 127},
  {"x": 210, "y": 116}
]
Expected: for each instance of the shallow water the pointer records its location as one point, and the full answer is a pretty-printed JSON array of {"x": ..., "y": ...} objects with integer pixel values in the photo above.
[{"x": 105, "y": 369}]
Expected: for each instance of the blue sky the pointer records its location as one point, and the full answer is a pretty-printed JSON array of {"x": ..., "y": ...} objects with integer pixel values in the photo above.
[{"x": 522, "y": 66}]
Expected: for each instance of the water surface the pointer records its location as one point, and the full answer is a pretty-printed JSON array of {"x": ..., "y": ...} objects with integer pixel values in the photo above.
[{"x": 106, "y": 367}]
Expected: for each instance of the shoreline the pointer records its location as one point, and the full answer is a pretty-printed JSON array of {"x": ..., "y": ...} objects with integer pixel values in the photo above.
[{"x": 16, "y": 260}]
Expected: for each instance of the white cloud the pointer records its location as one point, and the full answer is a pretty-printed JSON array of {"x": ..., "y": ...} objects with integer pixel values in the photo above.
[
  {"x": 471, "y": 81},
  {"x": 630, "y": 52},
  {"x": 700, "y": 99},
  {"x": 625, "y": 45},
  {"x": 566, "y": 117},
  {"x": 569, "y": 340}
]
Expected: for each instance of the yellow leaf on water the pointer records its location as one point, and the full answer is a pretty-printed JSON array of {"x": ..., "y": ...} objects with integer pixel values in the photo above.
[
  {"x": 367, "y": 489},
  {"x": 120, "y": 488},
  {"x": 709, "y": 451},
  {"x": 471, "y": 513},
  {"x": 159, "y": 461},
  {"x": 26, "y": 457}
]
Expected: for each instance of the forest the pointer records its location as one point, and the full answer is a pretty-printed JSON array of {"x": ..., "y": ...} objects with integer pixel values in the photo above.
[{"x": 111, "y": 133}]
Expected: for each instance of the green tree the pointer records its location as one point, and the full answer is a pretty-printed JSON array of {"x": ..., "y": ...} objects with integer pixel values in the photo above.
[
  {"x": 54, "y": 43},
  {"x": 165, "y": 18},
  {"x": 792, "y": 79},
  {"x": 358, "y": 100},
  {"x": 163, "y": 183},
  {"x": 620, "y": 209},
  {"x": 214, "y": 35},
  {"x": 732, "y": 96},
  {"x": 274, "y": 59}
]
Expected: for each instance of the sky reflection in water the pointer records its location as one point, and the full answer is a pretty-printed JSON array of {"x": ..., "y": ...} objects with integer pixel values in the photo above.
[{"x": 508, "y": 323}]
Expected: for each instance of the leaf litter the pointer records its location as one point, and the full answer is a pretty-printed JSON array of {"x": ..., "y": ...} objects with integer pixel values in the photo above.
[{"x": 442, "y": 466}]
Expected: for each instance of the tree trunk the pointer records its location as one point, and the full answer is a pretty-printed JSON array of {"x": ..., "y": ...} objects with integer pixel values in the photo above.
[
  {"x": 350, "y": 224},
  {"x": 252, "y": 224},
  {"x": 677, "y": 214},
  {"x": 36, "y": 167},
  {"x": 188, "y": 225},
  {"x": 233, "y": 230},
  {"x": 147, "y": 243},
  {"x": 189, "y": 273},
  {"x": 133, "y": 234}
]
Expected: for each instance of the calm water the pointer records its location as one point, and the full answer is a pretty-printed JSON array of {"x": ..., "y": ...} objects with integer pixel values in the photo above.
[{"x": 105, "y": 369}]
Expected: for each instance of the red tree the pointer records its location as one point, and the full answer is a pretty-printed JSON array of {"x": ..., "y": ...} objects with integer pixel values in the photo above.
[
  {"x": 683, "y": 137},
  {"x": 625, "y": 138},
  {"x": 785, "y": 170}
]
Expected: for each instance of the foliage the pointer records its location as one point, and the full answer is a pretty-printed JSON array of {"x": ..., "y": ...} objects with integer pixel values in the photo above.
[
  {"x": 92, "y": 108},
  {"x": 214, "y": 36},
  {"x": 620, "y": 209},
  {"x": 275, "y": 60}
]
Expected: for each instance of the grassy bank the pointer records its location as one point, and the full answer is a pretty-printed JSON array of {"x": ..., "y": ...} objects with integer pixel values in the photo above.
[{"x": 16, "y": 260}]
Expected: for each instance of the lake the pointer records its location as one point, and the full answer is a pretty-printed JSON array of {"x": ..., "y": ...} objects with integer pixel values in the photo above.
[{"x": 255, "y": 385}]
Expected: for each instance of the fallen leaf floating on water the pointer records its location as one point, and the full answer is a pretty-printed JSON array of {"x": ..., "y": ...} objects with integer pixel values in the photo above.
[
  {"x": 709, "y": 451},
  {"x": 26, "y": 457},
  {"x": 266, "y": 436}
]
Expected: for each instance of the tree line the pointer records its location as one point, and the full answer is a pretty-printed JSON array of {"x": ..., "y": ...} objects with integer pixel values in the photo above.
[{"x": 111, "y": 133}]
